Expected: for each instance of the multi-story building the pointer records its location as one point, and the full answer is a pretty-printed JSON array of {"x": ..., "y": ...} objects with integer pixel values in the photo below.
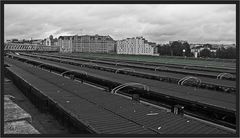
[
  {"x": 50, "y": 41},
  {"x": 136, "y": 46},
  {"x": 87, "y": 43},
  {"x": 65, "y": 43}
]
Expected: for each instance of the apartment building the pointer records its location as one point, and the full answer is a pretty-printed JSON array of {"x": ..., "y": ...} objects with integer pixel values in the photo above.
[
  {"x": 87, "y": 43},
  {"x": 65, "y": 43},
  {"x": 136, "y": 46}
]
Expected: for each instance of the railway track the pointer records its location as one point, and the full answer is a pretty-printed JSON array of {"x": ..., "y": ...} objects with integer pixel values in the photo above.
[
  {"x": 97, "y": 111},
  {"x": 208, "y": 68},
  {"x": 217, "y": 112},
  {"x": 199, "y": 82}
]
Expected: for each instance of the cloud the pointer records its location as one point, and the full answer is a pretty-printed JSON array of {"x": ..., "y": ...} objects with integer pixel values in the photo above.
[{"x": 156, "y": 22}]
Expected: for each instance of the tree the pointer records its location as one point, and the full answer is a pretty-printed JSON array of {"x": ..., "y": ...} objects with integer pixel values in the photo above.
[
  {"x": 205, "y": 53},
  {"x": 229, "y": 53},
  {"x": 186, "y": 46},
  {"x": 207, "y": 46},
  {"x": 177, "y": 48},
  {"x": 164, "y": 50}
]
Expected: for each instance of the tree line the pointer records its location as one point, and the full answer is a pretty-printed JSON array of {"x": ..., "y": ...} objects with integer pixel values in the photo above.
[
  {"x": 224, "y": 53},
  {"x": 177, "y": 48}
]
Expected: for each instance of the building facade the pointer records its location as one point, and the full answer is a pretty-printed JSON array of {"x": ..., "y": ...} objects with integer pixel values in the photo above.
[
  {"x": 65, "y": 44},
  {"x": 136, "y": 46},
  {"x": 86, "y": 43},
  {"x": 50, "y": 41}
]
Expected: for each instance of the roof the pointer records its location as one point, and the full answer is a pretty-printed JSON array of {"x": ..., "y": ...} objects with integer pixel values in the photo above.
[{"x": 94, "y": 36}]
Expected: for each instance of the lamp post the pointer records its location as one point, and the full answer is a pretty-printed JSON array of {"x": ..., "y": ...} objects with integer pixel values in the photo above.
[{"x": 184, "y": 53}]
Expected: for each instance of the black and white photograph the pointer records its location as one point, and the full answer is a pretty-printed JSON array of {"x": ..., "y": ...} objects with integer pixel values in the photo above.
[{"x": 120, "y": 69}]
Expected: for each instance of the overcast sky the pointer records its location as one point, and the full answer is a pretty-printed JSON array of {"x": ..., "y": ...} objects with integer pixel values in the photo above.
[{"x": 159, "y": 23}]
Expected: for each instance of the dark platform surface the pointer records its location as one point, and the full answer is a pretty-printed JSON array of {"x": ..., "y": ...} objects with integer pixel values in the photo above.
[
  {"x": 104, "y": 112},
  {"x": 206, "y": 97},
  {"x": 162, "y": 73}
]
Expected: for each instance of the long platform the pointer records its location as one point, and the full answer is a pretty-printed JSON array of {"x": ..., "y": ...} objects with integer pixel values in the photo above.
[
  {"x": 181, "y": 67},
  {"x": 98, "y": 111},
  {"x": 206, "y": 97},
  {"x": 144, "y": 71}
]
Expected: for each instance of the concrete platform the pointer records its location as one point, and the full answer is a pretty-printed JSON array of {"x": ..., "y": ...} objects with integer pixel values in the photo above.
[
  {"x": 12, "y": 112},
  {"x": 19, "y": 127},
  {"x": 16, "y": 120}
]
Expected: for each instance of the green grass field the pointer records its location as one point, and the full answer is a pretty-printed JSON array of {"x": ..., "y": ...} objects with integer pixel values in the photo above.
[{"x": 160, "y": 59}]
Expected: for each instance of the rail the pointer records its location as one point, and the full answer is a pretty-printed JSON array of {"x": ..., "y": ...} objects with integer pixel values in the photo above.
[
  {"x": 79, "y": 71},
  {"x": 165, "y": 68},
  {"x": 184, "y": 79},
  {"x": 220, "y": 75},
  {"x": 128, "y": 69},
  {"x": 155, "y": 69},
  {"x": 116, "y": 89},
  {"x": 204, "y": 85},
  {"x": 88, "y": 63},
  {"x": 222, "y": 115}
]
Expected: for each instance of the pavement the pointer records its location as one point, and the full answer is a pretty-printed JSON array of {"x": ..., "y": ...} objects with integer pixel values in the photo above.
[{"x": 16, "y": 120}]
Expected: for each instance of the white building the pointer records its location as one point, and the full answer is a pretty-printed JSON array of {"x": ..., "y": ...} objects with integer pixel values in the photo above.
[
  {"x": 48, "y": 42},
  {"x": 65, "y": 44},
  {"x": 136, "y": 46},
  {"x": 86, "y": 43}
]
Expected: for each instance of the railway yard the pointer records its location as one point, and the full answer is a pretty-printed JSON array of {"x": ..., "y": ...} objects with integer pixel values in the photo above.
[{"x": 104, "y": 95}]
